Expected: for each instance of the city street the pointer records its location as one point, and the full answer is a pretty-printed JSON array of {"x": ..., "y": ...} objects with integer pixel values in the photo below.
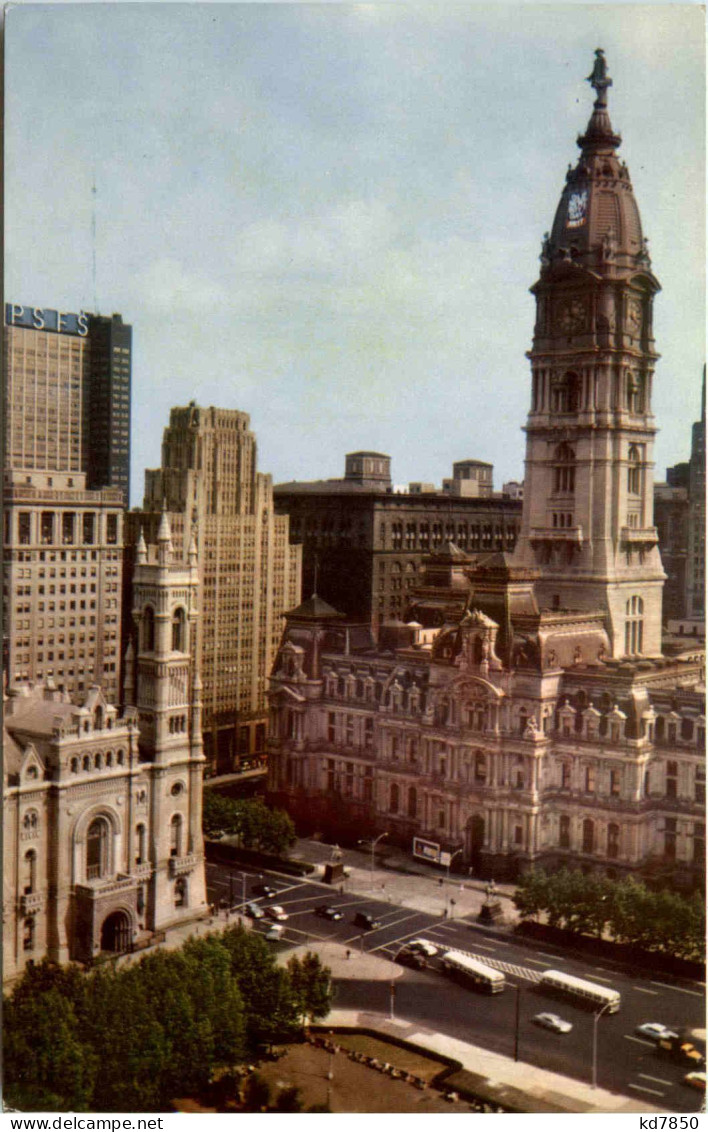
[{"x": 626, "y": 1062}]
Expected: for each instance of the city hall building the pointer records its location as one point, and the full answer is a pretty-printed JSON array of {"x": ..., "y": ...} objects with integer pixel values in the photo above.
[{"x": 524, "y": 712}]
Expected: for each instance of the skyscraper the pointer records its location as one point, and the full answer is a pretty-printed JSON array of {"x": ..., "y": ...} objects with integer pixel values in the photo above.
[
  {"x": 696, "y": 565},
  {"x": 62, "y": 551},
  {"x": 210, "y": 490},
  {"x": 67, "y": 394}
]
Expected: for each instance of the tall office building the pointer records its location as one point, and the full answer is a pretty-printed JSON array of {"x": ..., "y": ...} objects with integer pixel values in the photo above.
[
  {"x": 210, "y": 489},
  {"x": 67, "y": 394},
  {"x": 363, "y": 543},
  {"x": 107, "y": 416},
  {"x": 62, "y": 553},
  {"x": 696, "y": 565}
]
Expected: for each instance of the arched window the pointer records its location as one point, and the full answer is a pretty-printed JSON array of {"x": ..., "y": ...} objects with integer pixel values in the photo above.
[
  {"x": 180, "y": 893},
  {"x": 87, "y": 762},
  {"x": 30, "y": 877},
  {"x": 564, "y": 470},
  {"x": 28, "y": 934},
  {"x": 98, "y": 719},
  {"x": 634, "y": 626},
  {"x": 412, "y": 802},
  {"x": 634, "y": 471},
  {"x": 613, "y": 834},
  {"x": 140, "y": 844},
  {"x": 74, "y": 765},
  {"x": 176, "y": 836},
  {"x": 179, "y": 631},
  {"x": 564, "y": 832},
  {"x": 565, "y": 394},
  {"x": 588, "y": 836},
  {"x": 97, "y": 849},
  {"x": 635, "y": 393},
  {"x": 393, "y": 805},
  {"x": 148, "y": 629}
]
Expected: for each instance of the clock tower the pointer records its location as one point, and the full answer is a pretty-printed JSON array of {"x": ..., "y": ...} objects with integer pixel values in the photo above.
[{"x": 587, "y": 522}]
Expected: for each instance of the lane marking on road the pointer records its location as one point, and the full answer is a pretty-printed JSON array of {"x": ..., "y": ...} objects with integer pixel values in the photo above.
[
  {"x": 639, "y": 1041},
  {"x": 681, "y": 990},
  {"x": 645, "y": 990},
  {"x": 644, "y": 1089},
  {"x": 538, "y": 962},
  {"x": 597, "y": 978},
  {"x": 483, "y": 947},
  {"x": 546, "y": 955},
  {"x": 659, "y": 1080}
]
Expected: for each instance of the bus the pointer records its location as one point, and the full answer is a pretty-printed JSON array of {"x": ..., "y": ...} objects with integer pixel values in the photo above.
[
  {"x": 471, "y": 972},
  {"x": 580, "y": 991}
]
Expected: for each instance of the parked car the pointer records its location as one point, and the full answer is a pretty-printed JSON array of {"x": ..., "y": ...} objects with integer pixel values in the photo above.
[
  {"x": 414, "y": 959},
  {"x": 365, "y": 920},
  {"x": 429, "y": 950},
  {"x": 696, "y": 1079},
  {"x": 276, "y": 912},
  {"x": 254, "y": 911},
  {"x": 553, "y": 1022},
  {"x": 327, "y": 912},
  {"x": 655, "y": 1031},
  {"x": 264, "y": 890}
]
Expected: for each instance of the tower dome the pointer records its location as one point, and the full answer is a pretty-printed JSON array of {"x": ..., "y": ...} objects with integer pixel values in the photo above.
[{"x": 597, "y": 222}]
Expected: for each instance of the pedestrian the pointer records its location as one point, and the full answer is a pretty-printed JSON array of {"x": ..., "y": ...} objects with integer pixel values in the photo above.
[{"x": 349, "y": 954}]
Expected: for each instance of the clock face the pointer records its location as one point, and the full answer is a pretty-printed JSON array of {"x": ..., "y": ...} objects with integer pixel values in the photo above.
[
  {"x": 577, "y": 209},
  {"x": 571, "y": 316}
]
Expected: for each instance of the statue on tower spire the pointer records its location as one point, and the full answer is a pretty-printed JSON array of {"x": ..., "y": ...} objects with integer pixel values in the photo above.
[{"x": 599, "y": 79}]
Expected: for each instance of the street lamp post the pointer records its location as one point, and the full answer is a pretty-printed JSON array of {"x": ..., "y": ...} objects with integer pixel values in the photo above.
[
  {"x": 516, "y": 1025},
  {"x": 595, "y": 1020},
  {"x": 373, "y": 851},
  {"x": 450, "y": 860}
]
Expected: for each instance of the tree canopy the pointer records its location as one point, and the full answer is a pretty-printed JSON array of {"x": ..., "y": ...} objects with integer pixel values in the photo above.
[
  {"x": 256, "y": 825},
  {"x": 624, "y": 910},
  {"x": 135, "y": 1037}
]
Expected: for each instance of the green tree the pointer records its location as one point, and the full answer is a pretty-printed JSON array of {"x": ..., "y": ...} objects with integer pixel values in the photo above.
[
  {"x": 47, "y": 1067},
  {"x": 312, "y": 986}
]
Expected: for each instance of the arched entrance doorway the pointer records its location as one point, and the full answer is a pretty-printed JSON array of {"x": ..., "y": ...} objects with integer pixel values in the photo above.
[
  {"x": 475, "y": 840},
  {"x": 115, "y": 932}
]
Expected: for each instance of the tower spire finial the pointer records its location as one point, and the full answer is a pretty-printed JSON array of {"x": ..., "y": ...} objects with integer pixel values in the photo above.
[{"x": 599, "y": 79}]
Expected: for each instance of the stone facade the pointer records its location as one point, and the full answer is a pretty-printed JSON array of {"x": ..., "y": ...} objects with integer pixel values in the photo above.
[{"x": 102, "y": 811}]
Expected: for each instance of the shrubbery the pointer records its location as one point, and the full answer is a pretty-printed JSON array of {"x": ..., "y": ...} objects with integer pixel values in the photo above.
[
  {"x": 625, "y": 911},
  {"x": 134, "y": 1038}
]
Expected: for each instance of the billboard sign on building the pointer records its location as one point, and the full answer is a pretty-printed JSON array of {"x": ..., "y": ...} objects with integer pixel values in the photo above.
[
  {"x": 41, "y": 318},
  {"x": 428, "y": 851}
]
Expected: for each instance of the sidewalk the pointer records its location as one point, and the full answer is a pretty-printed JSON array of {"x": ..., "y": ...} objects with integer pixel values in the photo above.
[{"x": 407, "y": 882}]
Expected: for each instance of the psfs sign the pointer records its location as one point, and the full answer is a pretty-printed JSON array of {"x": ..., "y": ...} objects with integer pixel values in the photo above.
[{"x": 40, "y": 318}]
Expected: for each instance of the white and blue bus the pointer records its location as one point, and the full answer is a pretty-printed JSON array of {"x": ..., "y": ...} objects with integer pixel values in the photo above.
[
  {"x": 472, "y": 972},
  {"x": 580, "y": 991}
]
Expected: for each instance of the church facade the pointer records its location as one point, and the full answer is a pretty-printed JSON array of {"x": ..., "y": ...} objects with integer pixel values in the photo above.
[
  {"x": 524, "y": 712},
  {"x": 103, "y": 847}
]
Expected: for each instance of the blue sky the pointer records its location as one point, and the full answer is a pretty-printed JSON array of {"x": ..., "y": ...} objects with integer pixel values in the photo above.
[{"x": 329, "y": 215}]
